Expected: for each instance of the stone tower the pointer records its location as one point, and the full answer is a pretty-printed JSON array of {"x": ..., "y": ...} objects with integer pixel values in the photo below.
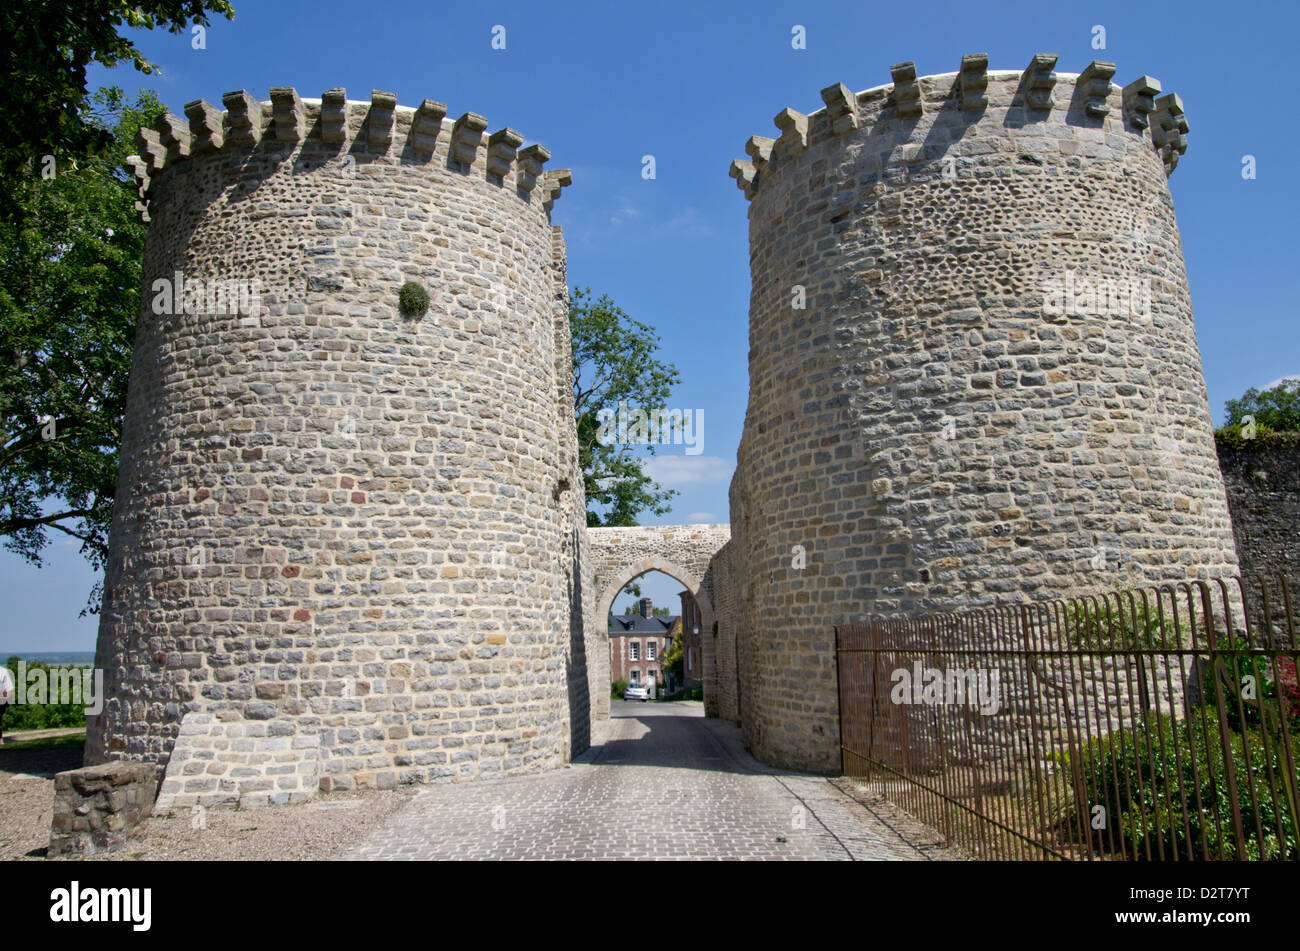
[
  {"x": 347, "y": 539},
  {"x": 974, "y": 374}
]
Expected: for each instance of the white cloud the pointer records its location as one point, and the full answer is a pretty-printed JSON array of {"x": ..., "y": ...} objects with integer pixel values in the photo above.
[
  {"x": 702, "y": 518},
  {"x": 623, "y": 212},
  {"x": 1279, "y": 380},
  {"x": 688, "y": 470},
  {"x": 687, "y": 222}
]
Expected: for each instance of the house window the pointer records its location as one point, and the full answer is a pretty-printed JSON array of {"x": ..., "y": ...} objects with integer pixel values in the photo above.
[
  {"x": 636, "y": 676},
  {"x": 634, "y": 650},
  {"x": 650, "y": 650}
]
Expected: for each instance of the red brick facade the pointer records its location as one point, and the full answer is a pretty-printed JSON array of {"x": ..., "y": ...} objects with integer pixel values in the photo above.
[
  {"x": 637, "y": 643},
  {"x": 692, "y": 649}
]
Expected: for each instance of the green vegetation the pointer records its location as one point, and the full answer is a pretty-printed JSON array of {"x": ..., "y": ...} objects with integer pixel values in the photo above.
[
  {"x": 69, "y": 300},
  {"x": 1277, "y": 408},
  {"x": 617, "y": 688},
  {"x": 1161, "y": 785},
  {"x": 1274, "y": 416},
  {"x": 1164, "y": 783},
  {"x": 46, "y": 742},
  {"x": 1124, "y": 622},
  {"x": 686, "y": 693},
  {"x": 41, "y": 716},
  {"x": 675, "y": 658},
  {"x": 44, "y": 57},
  {"x": 614, "y": 361},
  {"x": 413, "y": 299},
  {"x": 1165, "y": 789}
]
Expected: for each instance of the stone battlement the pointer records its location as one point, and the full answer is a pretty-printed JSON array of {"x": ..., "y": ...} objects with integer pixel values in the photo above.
[
  {"x": 900, "y": 115},
  {"x": 371, "y": 129},
  {"x": 973, "y": 373}
]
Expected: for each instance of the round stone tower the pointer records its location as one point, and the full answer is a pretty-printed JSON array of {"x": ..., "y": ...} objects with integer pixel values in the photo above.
[
  {"x": 973, "y": 369},
  {"x": 345, "y": 543}
]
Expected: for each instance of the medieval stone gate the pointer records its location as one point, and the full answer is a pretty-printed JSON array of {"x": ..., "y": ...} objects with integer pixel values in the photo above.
[
  {"x": 349, "y": 542},
  {"x": 618, "y": 555}
]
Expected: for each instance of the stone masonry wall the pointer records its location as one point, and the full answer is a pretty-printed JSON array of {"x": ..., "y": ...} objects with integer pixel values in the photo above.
[
  {"x": 939, "y": 417},
  {"x": 346, "y": 540},
  {"x": 618, "y": 555},
  {"x": 1263, "y": 483},
  {"x": 100, "y": 808}
]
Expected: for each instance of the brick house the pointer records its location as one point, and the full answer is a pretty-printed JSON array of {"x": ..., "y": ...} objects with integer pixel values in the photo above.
[
  {"x": 692, "y": 645},
  {"x": 637, "y": 643}
]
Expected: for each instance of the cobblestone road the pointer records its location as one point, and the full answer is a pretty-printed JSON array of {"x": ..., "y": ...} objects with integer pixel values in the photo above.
[{"x": 660, "y": 782}]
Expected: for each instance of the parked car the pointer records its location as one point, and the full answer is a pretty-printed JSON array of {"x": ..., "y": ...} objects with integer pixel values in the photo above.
[{"x": 636, "y": 692}]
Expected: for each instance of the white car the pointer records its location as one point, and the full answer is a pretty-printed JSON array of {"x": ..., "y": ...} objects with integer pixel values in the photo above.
[{"x": 636, "y": 692}]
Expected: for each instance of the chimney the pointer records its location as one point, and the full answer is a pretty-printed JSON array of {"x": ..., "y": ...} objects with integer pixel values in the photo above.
[{"x": 645, "y": 606}]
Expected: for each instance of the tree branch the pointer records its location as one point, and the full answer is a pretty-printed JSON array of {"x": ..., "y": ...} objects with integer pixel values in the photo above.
[{"x": 10, "y": 526}]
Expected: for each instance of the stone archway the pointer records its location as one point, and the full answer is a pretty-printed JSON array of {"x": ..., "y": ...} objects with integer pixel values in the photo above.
[{"x": 618, "y": 555}]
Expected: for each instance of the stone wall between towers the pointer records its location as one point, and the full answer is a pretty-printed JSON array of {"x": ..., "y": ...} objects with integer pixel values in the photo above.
[{"x": 1263, "y": 483}]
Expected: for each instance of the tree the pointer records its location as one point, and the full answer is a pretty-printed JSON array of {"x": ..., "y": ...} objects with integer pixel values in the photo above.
[
  {"x": 674, "y": 657},
  {"x": 44, "y": 58},
  {"x": 69, "y": 299},
  {"x": 614, "y": 363},
  {"x": 1276, "y": 409}
]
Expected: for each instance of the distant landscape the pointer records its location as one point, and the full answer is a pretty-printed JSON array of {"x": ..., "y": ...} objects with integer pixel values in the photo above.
[{"x": 55, "y": 658}]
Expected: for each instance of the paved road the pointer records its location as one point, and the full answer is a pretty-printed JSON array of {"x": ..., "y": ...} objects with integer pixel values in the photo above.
[{"x": 660, "y": 782}]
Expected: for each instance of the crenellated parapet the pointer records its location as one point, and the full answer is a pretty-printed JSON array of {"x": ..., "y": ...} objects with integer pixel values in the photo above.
[
  {"x": 365, "y": 129},
  {"x": 1169, "y": 130},
  {"x": 973, "y": 374},
  {"x": 384, "y": 452},
  {"x": 912, "y": 105}
]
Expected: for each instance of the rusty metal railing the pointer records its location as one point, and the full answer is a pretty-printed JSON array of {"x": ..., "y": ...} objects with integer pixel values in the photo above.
[{"x": 1158, "y": 723}]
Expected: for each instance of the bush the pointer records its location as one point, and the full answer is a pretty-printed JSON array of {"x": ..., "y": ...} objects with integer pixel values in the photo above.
[
  {"x": 1230, "y": 437},
  {"x": 1155, "y": 801},
  {"x": 414, "y": 299},
  {"x": 41, "y": 716},
  {"x": 616, "y": 691},
  {"x": 1122, "y": 622}
]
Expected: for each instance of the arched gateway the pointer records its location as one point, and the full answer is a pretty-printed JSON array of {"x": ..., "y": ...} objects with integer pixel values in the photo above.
[{"x": 617, "y": 555}]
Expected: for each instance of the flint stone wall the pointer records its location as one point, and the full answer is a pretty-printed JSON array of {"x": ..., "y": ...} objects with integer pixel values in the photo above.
[
  {"x": 931, "y": 427},
  {"x": 1263, "y": 484},
  {"x": 99, "y": 808},
  {"x": 346, "y": 543}
]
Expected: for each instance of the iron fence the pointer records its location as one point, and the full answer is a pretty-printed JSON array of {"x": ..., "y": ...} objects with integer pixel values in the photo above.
[{"x": 1158, "y": 723}]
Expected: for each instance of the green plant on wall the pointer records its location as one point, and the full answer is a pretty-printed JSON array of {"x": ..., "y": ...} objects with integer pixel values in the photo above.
[{"x": 413, "y": 299}]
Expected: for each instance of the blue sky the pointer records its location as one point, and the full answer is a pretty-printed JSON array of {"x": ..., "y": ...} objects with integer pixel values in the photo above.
[{"x": 604, "y": 84}]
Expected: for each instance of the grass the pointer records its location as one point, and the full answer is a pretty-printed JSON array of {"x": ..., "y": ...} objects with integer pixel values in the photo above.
[{"x": 47, "y": 742}]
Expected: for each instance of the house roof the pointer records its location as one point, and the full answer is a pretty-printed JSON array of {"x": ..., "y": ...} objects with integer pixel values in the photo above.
[{"x": 636, "y": 624}]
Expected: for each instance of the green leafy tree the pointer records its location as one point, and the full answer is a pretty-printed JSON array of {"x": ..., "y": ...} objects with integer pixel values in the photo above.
[
  {"x": 614, "y": 362},
  {"x": 675, "y": 656},
  {"x": 1275, "y": 409},
  {"x": 69, "y": 299},
  {"x": 46, "y": 50}
]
